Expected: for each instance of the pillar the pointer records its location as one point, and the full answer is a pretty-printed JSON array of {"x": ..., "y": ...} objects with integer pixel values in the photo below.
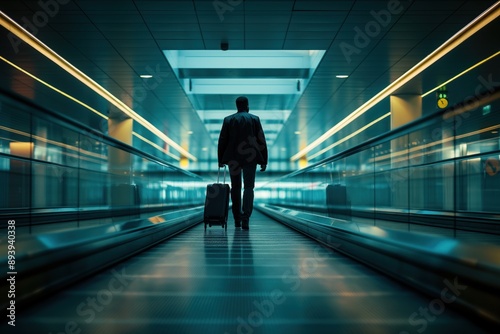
[
  {"x": 20, "y": 175},
  {"x": 404, "y": 109},
  {"x": 123, "y": 192}
]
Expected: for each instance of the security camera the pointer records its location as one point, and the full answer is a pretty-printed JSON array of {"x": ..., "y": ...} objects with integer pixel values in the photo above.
[{"x": 224, "y": 46}]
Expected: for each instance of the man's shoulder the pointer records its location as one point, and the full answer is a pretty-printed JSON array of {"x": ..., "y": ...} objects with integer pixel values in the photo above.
[
  {"x": 233, "y": 115},
  {"x": 229, "y": 117},
  {"x": 241, "y": 114},
  {"x": 253, "y": 116}
]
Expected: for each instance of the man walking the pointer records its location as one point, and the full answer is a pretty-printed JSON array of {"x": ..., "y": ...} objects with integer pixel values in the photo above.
[{"x": 242, "y": 146}]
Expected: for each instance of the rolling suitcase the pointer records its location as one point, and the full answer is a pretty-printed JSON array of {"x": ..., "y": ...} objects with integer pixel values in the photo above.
[
  {"x": 337, "y": 201},
  {"x": 217, "y": 203}
]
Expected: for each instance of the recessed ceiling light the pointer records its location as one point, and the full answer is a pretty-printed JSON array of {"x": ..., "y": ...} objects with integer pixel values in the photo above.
[
  {"x": 297, "y": 132},
  {"x": 204, "y": 149},
  {"x": 342, "y": 76},
  {"x": 146, "y": 76},
  {"x": 190, "y": 132}
]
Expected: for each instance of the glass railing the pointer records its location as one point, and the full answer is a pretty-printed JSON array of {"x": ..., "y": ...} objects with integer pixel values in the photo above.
[
  {"x": 440, "y": 171},
  {"x": 57, "y": 173}
]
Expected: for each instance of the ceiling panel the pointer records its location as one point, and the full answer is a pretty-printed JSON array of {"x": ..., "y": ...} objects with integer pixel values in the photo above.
[
  {"x": 116, "y": 41},
  {"x": 178, "y": 5}
]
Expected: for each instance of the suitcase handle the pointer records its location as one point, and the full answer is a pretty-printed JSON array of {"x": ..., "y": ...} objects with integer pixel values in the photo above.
[{"x": 218, "y": 173}]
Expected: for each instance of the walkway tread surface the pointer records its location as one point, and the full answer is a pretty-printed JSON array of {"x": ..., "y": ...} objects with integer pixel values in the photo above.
[{"x": 270, "y": 279}]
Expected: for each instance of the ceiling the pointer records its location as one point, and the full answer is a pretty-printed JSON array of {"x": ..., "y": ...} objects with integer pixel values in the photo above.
[{"x": 115, "y": 42}]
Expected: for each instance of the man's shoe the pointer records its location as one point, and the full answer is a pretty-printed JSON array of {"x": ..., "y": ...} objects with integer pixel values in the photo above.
[
  {"x": 237, "y": 224},
  {"x": 245, "y": 225}
]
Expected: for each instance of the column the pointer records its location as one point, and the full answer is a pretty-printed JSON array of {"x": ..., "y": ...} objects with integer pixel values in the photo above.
[
  {"x": 20, "y": 175},
  {"x": 404, "y": 109},
  {"x": 123, "y": 192}
]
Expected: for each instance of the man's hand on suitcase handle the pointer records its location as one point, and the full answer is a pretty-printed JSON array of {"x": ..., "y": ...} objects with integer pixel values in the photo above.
[{"x": 262, "y": 167}]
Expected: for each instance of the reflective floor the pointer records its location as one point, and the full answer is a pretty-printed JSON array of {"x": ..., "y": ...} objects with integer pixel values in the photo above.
[{"x": 269, "y": 279}]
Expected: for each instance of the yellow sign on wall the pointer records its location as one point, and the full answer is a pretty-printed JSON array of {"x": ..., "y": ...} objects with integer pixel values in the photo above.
[{"x": 492, "y": 166}]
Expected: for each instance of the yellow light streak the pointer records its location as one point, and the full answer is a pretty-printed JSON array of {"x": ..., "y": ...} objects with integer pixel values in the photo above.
[
  {"x": 463, "y": 34},
  {"x": 158, "y": 147},
  {"x": 462, "y": 73},
  {"x": 38, "y": 45},
  {"x": 432, "y": 144},
  {"x": 53, "y": 88},
  {"x": 349, "y": 136},
  {"x": 53, "y": 142},
  {"x": 80, "y": 103}
]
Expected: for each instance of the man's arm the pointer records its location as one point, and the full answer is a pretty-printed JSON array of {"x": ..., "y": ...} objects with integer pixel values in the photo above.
[
  {"x": 261, "y": 141},
  {"x": 223, "y": 141}
]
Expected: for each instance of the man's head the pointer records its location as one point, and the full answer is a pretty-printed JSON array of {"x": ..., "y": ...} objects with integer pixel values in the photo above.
[{"x": 242, "y": 103}]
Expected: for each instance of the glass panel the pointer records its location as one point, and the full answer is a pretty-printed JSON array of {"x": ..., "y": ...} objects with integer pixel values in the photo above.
[
  {"x": 440, "y": 174},
  {"x": 94, "y": 189},
  {"x": 93, "y": 154},
  {"x": 399, "y": 174},
  {"x": 54, "y": 186},
  {"x": 18, "y": 184},
  {"x": 477, "y": 131},
  {"x": 432, "y": 187},
  {"x": 15, "y": 127},
  {"x": 54, "y": 169},
  {"x": 360, "y": 183},
  {"x": 383, "y": 180}
]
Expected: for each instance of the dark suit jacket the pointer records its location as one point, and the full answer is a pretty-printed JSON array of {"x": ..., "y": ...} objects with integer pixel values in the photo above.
[{"x": 242, "y": 140}]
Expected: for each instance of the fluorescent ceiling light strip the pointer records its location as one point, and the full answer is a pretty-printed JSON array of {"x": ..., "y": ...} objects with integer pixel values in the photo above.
[
  {"x": 461, "y": 73},
  {"x": 470, "y": 29},
  {"x": 35, "y": 43},
  {"x": 349, "y": 136},
  {"x": 270, "y": 59},
  {"x": 249, "y": 89}
]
